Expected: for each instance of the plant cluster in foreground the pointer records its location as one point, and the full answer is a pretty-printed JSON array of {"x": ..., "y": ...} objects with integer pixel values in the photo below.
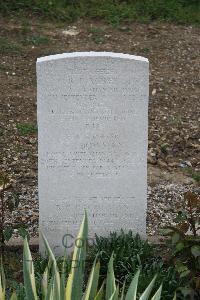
[
  {"x": 131, "y": 253},
  {"x": 57, "y": 285}
]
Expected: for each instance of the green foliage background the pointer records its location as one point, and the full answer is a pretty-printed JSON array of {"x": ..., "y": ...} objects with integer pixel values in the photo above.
[{"x": 113, "y": 11}]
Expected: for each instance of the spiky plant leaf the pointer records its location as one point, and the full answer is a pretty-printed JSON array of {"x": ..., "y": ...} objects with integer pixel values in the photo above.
[
  {"x": 75, "y": 279},
  {"x": 55, "y": 272},
  {"x": 56, "y": 286},
  {"x": 44, "y": 283},
  {"x": 123, "y": 291},
  {"x": 92, "y": 285},
  {"x": 157, "y": 295},
  {"x": 110, "y": 280},
  {"x": 174, "y": 296},
  {"x": 28, "y": 272},
  {"x": 63, "y": 276},
  {"x": 49, "y": 294},
  {"x": 100, "y": 293},
  {"x": 13, "y": 296},
  {"x": 145, "y": 295},
  {"x": 132, "y": 291},
  {"x": 115, "y": 294},
  {"x": 2, "y": 283}
]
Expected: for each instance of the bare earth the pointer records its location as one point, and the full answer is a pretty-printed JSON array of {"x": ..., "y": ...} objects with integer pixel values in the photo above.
[{"x": 174, "y": 110}]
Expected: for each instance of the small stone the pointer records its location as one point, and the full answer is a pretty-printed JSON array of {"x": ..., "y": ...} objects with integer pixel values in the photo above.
[
  {"x": 188, "y": 181},
  {"x": 32, "y": 141},
  {"x": 188, "y": 163},
  {"x": 185, "y": 164},
  {"x": 151, "y": 160},
  {"x": 24, "y": 155},
  {"x": 172, "y": 164},
  {"x": 153, "y": 92},
  {"x": 161, "y": 163},
  {"x": 124, "y": 28},
  {"x": 71, "y": 31}
]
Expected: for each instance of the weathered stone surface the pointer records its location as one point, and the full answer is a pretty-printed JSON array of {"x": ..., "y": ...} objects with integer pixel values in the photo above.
[{"x": 92, "y": 126}]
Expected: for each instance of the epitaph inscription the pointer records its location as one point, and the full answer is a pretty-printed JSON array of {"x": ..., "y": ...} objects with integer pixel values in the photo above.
[{"x": 92, "y": 126}]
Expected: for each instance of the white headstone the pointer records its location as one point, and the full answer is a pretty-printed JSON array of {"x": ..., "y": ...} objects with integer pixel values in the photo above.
[{"x": 92, "y": 126}]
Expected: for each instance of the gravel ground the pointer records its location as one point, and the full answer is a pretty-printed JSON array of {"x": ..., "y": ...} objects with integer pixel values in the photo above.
[
  {"x": 163, "y": 200},
  {"x": 162, "y": 207}
]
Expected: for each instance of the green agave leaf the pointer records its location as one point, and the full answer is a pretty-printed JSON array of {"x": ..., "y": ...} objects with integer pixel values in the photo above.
[
  {"x": 44, "y": 283},
  {"x": 55, "y": 286},
  {"x": 48, "y": 249},
  {"x": 123, "y": 291},
  {"x": 100, "y": 293},
  {"x": 56, "y": 275},
  {"x": 92, "y": 285},
  {"x": 49, "y": 295},
  {"x": 115, "y": 294},
  {"x": 2, "y": 283},
  {"x": 13, "y": 296},
  {"x": 110, "y": 280},
  {"x": 75, "y": 278},
  {"x": 28, "y": 271},
  {"x": 63, "y": 276},
  {"x": 145, "y": 295},
  {"x": 20, "y": 291},
  {"x": 174, "y": 296},
  {"x": 132, "y": 291},
  {"x": 157, "y": 295}
]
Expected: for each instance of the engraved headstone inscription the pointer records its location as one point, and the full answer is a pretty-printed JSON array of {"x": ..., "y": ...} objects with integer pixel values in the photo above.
[{"x": 92, "y": 140}]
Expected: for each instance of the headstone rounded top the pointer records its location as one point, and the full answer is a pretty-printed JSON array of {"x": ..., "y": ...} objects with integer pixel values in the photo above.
[{"x": 91, "y": 54}]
